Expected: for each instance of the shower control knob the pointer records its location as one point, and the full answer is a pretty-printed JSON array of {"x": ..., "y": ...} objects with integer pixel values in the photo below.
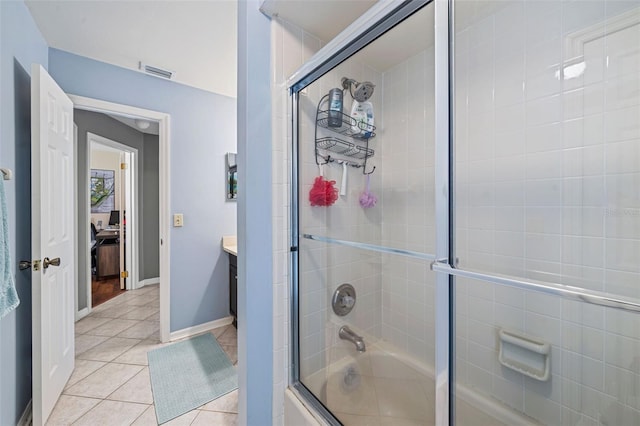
[
  {"x": 348, "y": 301},
  {"x": 344, "y": 299}
]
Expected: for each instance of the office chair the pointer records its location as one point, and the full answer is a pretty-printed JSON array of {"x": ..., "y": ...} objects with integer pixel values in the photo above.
[{"x": 94, "y": 246}]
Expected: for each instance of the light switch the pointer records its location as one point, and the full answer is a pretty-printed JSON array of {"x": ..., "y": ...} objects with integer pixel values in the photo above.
[{"x": 178, "y": 219}]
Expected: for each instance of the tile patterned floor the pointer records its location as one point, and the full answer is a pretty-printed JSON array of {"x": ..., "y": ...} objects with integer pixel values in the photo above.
[{"x": 110, "y": 384}]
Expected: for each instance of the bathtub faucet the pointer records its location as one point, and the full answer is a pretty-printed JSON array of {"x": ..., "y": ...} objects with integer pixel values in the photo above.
[{"x": 345, "y": 333}]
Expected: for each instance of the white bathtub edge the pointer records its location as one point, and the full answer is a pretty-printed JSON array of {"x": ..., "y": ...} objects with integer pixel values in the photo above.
[
  {"x": 483, "y": 403},
  {"x": 296, "y": 412}
]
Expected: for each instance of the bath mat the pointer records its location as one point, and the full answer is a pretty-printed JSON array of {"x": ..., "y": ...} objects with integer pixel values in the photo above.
[{"x": 187, "y": 375}]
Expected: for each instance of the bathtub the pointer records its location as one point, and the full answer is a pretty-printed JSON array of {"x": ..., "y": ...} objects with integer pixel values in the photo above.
[{"x": 386, "y": 387}]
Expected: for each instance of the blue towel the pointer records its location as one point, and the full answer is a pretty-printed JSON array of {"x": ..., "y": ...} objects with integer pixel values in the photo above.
[{"x": 8, "y": 296}]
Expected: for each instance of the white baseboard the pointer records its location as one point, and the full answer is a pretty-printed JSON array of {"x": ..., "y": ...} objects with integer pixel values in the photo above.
[
  {"x": 190, "y": 331},
  {"x": 148, "y": 281},
  {"x": 26, "y": 418},
  {"x": 82, "y": 313}
]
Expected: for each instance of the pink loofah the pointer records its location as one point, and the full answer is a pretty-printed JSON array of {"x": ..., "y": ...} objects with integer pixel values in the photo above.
[{"x": 367, "y": 199}]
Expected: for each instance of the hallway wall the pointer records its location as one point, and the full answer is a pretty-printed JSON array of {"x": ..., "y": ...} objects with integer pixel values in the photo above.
[{"x": 21, "y": 44}]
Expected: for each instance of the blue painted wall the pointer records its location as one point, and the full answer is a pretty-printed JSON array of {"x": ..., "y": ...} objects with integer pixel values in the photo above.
[
  {"x": 21, "y": 44},
  {"x": 203, "y": 129},
  {"x": 255, "y": 265}
]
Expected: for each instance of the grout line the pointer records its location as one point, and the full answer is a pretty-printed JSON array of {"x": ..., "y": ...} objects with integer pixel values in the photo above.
[
  {"x": 144, "y": 411},
  {"x": 119, "y": 387}
]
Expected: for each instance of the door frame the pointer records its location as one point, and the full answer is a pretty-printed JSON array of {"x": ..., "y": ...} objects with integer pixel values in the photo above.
[
  {"x": 133, "y": 197},
  {"x": 164, "y": 213}
]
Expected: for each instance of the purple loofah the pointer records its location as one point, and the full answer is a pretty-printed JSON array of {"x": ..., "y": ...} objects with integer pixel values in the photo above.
[{"x": 367, "y": 199}]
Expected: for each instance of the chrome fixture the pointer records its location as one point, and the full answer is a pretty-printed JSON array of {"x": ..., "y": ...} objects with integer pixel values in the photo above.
[
  {"x": 345, "y": 333},
  {"x": 363, "y": 91},
  {"x": 344, "y": 299}
]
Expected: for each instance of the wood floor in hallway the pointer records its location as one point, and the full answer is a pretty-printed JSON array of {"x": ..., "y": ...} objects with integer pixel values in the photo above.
[{"x": 104, "y": 289}]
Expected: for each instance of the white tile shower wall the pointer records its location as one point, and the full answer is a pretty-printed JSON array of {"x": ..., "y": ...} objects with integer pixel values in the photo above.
[
  {"x": 547, "y": 130},
  {"x": 407, "y": 204}
]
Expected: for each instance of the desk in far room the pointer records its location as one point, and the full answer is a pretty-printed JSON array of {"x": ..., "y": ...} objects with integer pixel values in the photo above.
[{"x": 108, "y": 253}]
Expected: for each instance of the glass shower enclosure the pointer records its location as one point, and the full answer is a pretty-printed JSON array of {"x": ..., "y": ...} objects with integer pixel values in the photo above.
[{"x": 466, "y": 217}]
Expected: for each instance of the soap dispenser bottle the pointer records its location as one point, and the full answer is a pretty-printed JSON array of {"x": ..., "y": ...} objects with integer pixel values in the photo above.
[{"x": 335, "y": 107}]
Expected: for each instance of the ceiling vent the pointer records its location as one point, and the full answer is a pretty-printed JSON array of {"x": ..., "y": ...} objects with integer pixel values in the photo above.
[{"x": 155, "y": 71}]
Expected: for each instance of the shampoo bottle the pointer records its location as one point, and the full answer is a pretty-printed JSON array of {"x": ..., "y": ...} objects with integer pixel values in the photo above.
[
  {"x": 335, "y": 108},
  {"x": 362, "y": 114}
]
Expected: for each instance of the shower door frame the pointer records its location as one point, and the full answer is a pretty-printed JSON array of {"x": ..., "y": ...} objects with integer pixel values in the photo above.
[{"x": 379, "y": 19}]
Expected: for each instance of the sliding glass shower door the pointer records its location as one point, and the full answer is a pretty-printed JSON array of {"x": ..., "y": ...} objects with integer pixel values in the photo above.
[
  {"x": 547, "y": 211},
  {"x": 472, "y": 254}
]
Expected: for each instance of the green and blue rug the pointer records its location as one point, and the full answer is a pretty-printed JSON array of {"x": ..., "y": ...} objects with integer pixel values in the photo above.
[{"x": 188, "y": 374}]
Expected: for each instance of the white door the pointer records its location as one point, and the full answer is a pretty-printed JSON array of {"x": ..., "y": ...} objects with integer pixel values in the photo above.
[
  {"x": 127, "y": 227},
  {"x": 53, "y": 234}
]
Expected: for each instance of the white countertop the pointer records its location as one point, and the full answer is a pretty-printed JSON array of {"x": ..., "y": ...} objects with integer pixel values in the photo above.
[{"x": 230, "y": 244}]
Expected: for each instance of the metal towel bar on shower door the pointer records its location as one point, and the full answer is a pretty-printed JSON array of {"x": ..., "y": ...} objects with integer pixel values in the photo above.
[{"x": 568, "y": 292}]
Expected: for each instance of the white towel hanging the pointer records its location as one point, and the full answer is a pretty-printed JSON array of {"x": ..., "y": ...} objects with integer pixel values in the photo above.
[{"x": 343, "y": 185}]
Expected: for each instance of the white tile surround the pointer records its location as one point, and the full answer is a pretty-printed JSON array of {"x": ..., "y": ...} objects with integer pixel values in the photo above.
[{"x": 548, "y": 172}]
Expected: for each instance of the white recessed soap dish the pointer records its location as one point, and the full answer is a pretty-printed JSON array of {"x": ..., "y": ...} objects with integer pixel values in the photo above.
[{"x": 525, "y": 354}]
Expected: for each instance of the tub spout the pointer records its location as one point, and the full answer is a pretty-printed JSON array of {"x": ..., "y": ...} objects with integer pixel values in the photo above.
[{"x": 345, "y": 333}]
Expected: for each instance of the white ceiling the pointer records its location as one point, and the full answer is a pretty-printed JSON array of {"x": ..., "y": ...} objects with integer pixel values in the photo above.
[
  {"x": 324, "y": 19},
  {"x": 195, "y": 39}
]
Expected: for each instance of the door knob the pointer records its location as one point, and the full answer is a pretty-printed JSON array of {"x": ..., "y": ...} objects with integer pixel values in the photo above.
[{"x": 53, "y": 262}]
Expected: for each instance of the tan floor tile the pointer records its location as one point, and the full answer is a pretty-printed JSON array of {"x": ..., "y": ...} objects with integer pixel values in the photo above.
[
  {"x": 154, "y": 317},
  {"x": 89, "y": 323},
  {"x": 141, "y": 330},
  {"x": 148, "y": 418},
  {"x": 113, "y": 327},
  {"x": 138, "y": 353},
  {"x": 68, "y": 409},
  {"x": 109, "y": 349},
  {"x": 140, "y": 313},
  {"x": 226, "y": 403},
  {"x": 113, "y": 312},
  {"x": 229, "y": 337},
  {"x": 144, "y": 299},
  {"x": 147, "y": 289},
  {"x": 85, "y": 342},
  {"x": 138, "y": 389},
  {"x": 217, "y": 332},
  {"x": 208, "y": 418},
  {"x": 155, "y": 336},
  {"x": 104, "y": 381},
  {"x": 82, "y": 369},
  {"x": 232, "y": 353},
  {"x": 111, "y": 413}
]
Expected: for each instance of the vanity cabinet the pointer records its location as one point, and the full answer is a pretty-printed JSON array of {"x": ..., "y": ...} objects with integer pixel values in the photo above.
[{"x": 233, "y": 288}]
